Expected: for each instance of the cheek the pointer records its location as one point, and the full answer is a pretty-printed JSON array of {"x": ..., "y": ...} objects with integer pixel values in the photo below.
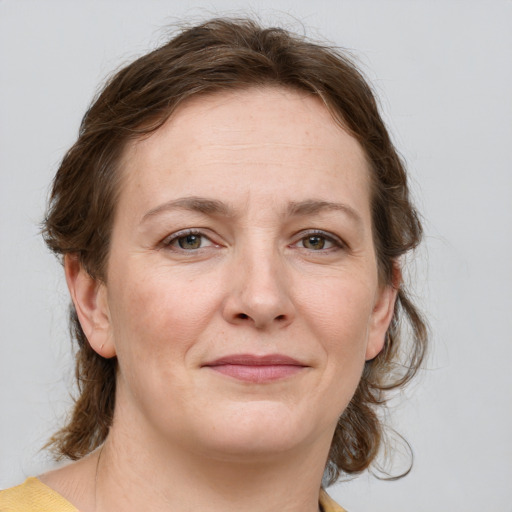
[
  {"x": 338, "y": 313},
  {"x": 155, "y": 321},
  {"x": 340, "y": 307}
]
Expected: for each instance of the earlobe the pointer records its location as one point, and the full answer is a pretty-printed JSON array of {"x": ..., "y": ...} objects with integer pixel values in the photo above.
[
  {"x": 89, "y": 297},
  {"x": 382, "y": 315}
]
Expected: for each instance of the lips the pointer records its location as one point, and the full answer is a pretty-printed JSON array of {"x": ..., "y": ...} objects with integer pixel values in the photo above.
[{"x": 256, "y": 369}]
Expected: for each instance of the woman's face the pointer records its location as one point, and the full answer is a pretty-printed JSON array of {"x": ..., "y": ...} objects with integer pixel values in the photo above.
[{"x": 242, "y": 296}]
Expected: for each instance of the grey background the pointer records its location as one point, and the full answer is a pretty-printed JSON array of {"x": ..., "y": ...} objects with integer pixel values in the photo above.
[{"x": 443, "y": 72}]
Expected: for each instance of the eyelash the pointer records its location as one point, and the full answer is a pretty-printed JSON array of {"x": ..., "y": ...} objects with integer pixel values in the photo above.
[{"x": 327, "y": 237}]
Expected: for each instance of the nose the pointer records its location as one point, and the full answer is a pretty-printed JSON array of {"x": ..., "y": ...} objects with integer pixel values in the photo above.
[{"x": 259, "y": 292}]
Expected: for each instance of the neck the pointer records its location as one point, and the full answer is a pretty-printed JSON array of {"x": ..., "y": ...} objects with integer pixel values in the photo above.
[
  {"x": 138, "y": 466},
  {"x": 176, "y": 480}
]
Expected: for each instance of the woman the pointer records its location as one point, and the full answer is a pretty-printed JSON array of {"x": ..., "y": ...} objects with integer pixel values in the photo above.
[{"x": 232, "y": 219}]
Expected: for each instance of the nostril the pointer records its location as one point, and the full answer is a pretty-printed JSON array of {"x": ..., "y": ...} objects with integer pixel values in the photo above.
[{"x": 245, "y": 316}]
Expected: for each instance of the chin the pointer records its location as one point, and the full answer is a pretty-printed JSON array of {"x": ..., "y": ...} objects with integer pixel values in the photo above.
[{"x": 260, "y": 430}]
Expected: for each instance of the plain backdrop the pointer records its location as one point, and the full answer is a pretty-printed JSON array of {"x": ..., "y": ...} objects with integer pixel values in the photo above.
[{"x": 443, "y": 72}]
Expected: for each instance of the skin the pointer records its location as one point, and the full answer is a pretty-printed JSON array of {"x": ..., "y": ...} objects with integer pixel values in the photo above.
[{"x": 274, "y": 198}]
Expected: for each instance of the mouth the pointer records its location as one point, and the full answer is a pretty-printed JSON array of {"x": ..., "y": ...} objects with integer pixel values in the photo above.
[{"x": 256, "y": 369}]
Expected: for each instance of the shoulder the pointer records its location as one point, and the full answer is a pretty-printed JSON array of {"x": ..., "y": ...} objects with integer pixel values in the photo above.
[
  {"x": 33, "y": 496},
  {"x": 327, "y": 504}
]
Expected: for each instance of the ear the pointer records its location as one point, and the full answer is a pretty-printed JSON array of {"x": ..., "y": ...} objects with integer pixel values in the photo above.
[
  {"x": 382, "y": 314},
  {"x": 89, "y": 296}
]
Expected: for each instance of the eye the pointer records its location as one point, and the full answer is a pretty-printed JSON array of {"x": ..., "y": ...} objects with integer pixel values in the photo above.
[
  {"x": 188, "y": 241},
  {"x": 316, "y": 242},
  {"x": 319, "y": 241}
]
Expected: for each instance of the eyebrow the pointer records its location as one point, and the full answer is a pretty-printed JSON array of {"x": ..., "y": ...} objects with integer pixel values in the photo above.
[
  {"x": 215, "y": 207},
  {"x": 312, "y": 207},
  {"x": 193, "y": 203}
]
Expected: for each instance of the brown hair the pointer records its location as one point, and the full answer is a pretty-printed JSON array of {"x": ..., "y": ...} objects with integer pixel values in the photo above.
[{"x": 218, "y": 55}]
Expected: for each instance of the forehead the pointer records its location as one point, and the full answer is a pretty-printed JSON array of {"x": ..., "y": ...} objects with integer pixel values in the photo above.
[
  {"x": 274, "y": 114},
  {"x": 269, "y": 137}
]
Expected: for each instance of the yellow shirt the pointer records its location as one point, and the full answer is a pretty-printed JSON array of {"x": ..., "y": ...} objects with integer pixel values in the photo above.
[
  {"x": 327, "y": 504},
  {"x": 34, "y": 496}
]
